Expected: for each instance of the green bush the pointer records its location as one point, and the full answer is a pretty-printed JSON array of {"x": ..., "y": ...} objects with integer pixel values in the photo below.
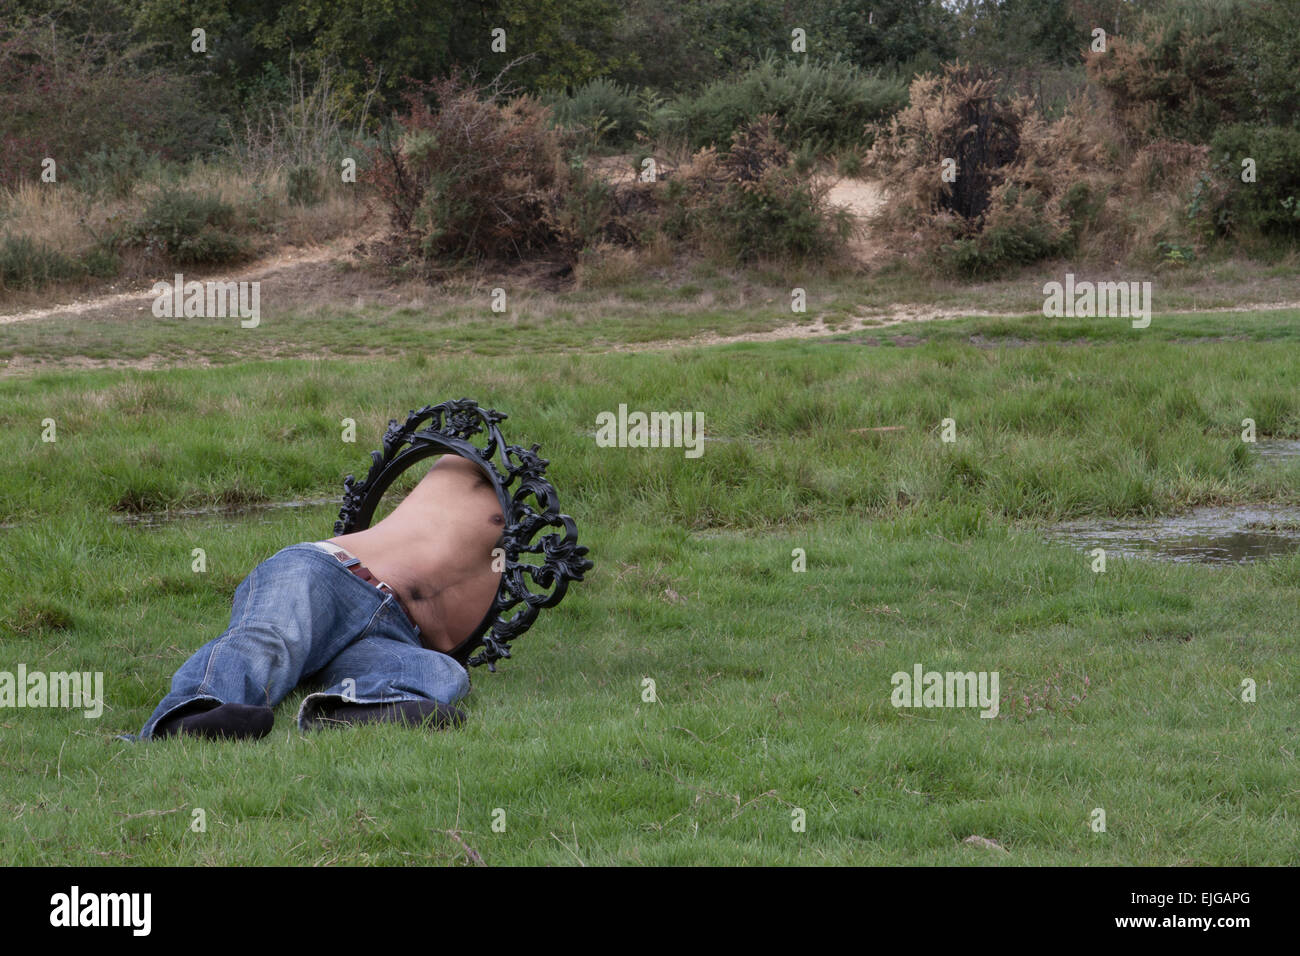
[
  {"x": 1082, "y": 204},
  {"x": 584, "y": 212},
  {"x": 1269, "y": 206},
  {"x": 28, "y": 264},
  {"x": 1191, "y": 68},
  {"x": 25, "y": 263},
  {"x": 114, "y": 170},
  {"x": 94, "y": 101},
  {"x": 850, "y": 163},
  {"x": 754, "y": 202},
  {"x": 999, "y": 248},
  {"x": 821, "y": 106},
  {"x": 779, "y": 215},
  {"x": 189, "y": 228},
  {"x": 608, "y": 111},
  {"x": 305, "y": 186},
  {"x": 1023, "y": 227}
]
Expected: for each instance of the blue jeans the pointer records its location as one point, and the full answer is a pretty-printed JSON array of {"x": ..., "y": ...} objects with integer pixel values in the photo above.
[{"x": 302, "y": 615}]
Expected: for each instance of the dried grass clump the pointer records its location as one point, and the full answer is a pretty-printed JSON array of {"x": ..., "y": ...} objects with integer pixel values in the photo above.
[
  {"x": 1166, "y": 166},
  {"x": 487, "y": 176}
]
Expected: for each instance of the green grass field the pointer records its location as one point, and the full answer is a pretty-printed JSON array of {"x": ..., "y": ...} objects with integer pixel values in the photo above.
[{"x": 773, "y": 685}]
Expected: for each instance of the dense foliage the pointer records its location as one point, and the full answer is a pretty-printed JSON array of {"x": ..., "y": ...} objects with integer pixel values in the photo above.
[{"x": 1071, "y": 121}]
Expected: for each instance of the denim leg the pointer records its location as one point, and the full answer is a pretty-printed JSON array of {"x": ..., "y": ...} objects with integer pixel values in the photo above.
[
  {"x": 386, "y": 665},
  {"x": 294, "y": 613}
]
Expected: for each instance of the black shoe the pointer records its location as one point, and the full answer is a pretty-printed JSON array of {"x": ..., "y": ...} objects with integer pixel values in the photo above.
[{"x": 223, "y": 722}]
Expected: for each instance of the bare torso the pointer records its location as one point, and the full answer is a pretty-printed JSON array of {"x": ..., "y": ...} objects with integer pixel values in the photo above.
[{"x": 435, "y": 551}]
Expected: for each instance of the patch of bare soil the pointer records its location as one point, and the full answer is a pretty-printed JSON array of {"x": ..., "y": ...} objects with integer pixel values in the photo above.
[
  {"x": 615, "y": 170},
  {"x": 863, "y": 198}
]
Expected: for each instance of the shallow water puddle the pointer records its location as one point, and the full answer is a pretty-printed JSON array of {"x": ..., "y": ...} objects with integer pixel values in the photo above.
[
  {"x": 1273, "y": 451},
  {"x": 231, "y": 515},
  {"x": 1237, "y": 534}
]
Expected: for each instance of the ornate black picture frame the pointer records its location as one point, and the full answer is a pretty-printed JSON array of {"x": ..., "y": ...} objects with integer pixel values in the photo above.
[{"x": 528, "y": 501}]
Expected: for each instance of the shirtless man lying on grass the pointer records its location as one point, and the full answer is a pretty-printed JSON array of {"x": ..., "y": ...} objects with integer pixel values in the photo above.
[{"x": 371, "y": 616}]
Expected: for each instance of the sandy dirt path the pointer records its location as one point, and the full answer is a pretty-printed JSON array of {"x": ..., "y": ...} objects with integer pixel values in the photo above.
[
  {"x": 282, "y": 265},
  {"x": 900, "y": 315}
]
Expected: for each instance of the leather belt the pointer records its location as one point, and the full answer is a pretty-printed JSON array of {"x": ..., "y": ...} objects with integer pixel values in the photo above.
[{"x": 365, "y": 574}]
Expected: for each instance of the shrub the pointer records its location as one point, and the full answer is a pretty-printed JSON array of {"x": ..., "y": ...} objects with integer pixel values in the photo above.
[
  {"x": 1195, "y": 67},
  {"x": 113, "y": 170},
  {"x": 608, "y": 111},
  {"x": 304, "y": 186},
  {"x": 79, "y": 99},
  {"x": 1021, "y": 228},
  {"x": 480, "y": 177},
  {"x": 591, "y": 211},
  {"x": 849, "y": 163},
  {"x": 781, "y": 214},
  {"x": 188, "y": 228},
  {"x": 754, "y": 201},
  {"x": 824, "y": 106},
  {"x": 957, "y": 117},
  {"x": 1269, "y": 206},
  {"x": 26, "y": 263},
  {"x": 475, "y": 177},
  {"x": 1021, "y": 191}
]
